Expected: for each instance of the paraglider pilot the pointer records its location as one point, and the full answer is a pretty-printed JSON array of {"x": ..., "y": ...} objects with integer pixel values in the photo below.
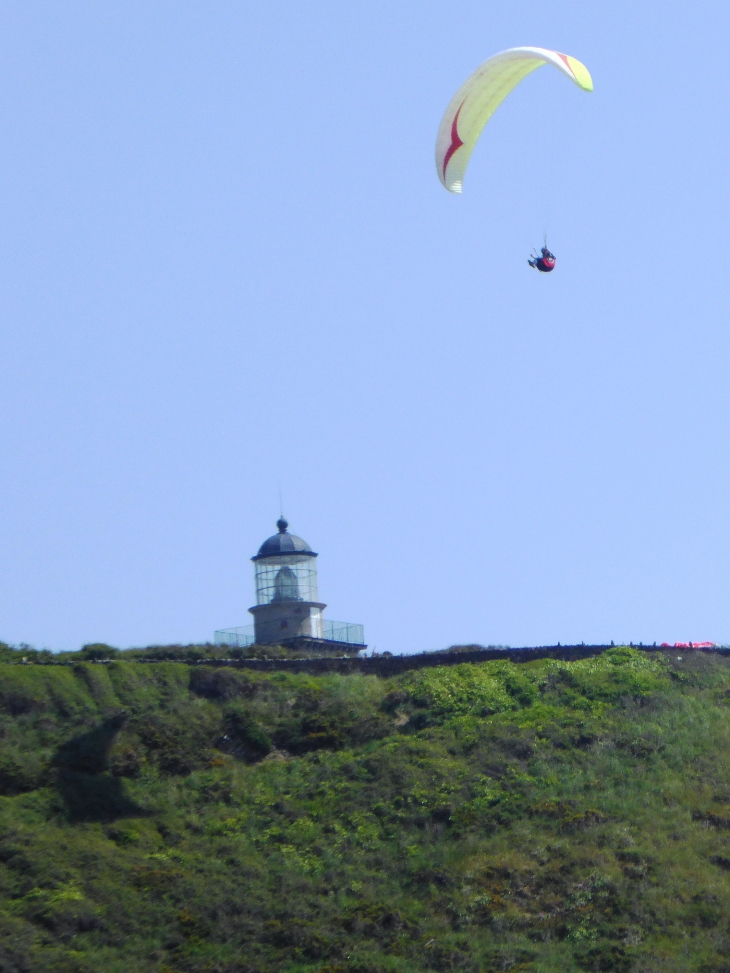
[{"x": 545, "y": 262}]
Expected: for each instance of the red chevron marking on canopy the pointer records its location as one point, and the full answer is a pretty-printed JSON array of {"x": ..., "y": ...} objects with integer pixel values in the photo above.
[
  {"x": 564, "y": 58},
  {"x": 456, "y": 142}
]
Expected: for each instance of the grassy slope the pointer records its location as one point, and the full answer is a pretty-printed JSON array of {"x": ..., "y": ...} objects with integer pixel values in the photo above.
[{"x": 545, "y": 817}]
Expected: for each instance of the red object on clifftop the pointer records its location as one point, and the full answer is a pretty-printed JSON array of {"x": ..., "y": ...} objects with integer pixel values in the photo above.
[{"x": 689, "y": 645}]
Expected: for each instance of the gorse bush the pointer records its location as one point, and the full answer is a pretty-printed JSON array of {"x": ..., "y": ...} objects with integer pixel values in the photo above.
[{"x": 544, "y": 817}]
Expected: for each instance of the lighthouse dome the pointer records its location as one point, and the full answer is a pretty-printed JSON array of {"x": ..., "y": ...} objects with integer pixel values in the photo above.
[{"x": 283, "y": 543}]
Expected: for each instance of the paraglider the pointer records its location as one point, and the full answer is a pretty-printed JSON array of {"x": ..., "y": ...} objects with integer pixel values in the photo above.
[
  {"x": 545, "y": 262},
  {"x": 479, "y": 97}
]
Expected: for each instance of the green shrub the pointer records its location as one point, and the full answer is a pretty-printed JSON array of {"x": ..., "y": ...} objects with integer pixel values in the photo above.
[{"x": 98, "y": 651}]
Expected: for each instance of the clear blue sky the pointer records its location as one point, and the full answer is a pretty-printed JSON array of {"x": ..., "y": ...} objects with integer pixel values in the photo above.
[{"x": 226, "y": 263}]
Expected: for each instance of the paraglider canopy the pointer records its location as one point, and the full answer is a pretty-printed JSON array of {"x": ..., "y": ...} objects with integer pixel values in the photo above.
[{"x": 481, "y": 94}]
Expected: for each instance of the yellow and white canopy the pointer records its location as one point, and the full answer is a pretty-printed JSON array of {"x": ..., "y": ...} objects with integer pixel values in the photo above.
[{"x": 479, "y": 97}]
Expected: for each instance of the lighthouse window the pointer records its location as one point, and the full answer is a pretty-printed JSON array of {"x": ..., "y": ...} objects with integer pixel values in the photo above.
[{"x": 289, "y": 577}]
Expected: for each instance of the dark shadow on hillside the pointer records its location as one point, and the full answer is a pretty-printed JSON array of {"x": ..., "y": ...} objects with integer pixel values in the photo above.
[
  {"x": 89, "y": 792},
  {"x": 96, "y": 798}
]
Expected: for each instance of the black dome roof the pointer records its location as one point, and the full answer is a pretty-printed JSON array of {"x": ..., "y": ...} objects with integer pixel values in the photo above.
[{"x": 283, "y": 543}]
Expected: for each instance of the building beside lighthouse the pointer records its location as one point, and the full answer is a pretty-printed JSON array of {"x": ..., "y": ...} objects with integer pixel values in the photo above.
[{"x": 288, "y": 610}]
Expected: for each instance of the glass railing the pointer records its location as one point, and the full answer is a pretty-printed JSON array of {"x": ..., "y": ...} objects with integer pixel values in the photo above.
[
  {"x": 239, "y": 637},
  {"x": 343, "y": 632},
  {"x": 333, "y": 632}
]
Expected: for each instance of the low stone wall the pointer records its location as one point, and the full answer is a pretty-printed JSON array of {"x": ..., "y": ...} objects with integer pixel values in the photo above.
[
  {"x": 392, "y": 665},
  {"x": 385, "y": 666}
]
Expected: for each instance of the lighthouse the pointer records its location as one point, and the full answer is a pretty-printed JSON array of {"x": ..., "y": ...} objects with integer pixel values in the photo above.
[
  {"x": 288, "y": 611},
  {"x": 287, "y": 605}
]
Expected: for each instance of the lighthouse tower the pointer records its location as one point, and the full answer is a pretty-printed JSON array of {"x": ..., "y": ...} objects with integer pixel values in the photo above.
[
  {"x": 287, "y": 605},
  {"x": 288, "y": 610}
]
